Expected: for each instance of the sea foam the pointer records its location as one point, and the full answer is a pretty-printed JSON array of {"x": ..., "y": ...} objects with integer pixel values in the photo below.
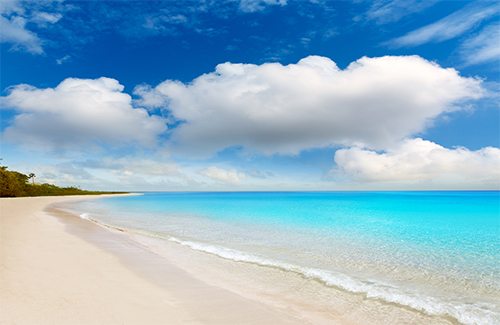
[{"x": 477, "y": 314}]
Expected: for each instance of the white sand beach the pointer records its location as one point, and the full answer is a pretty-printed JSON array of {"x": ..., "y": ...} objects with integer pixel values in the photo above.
[
  {"x": 58, "y": 268},
  {"x": 51, "y": 276}
]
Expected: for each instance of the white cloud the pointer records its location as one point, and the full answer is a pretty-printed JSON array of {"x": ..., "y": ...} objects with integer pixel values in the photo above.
[
  {"x": 14, "y": 31},
  {"x": 66, "y": 174},
  {"x": 79, "y": 112},
  {"x": 285, "y": 109},
  {"x": 223, "y": 176},
  {"x": 62, "y": 60},
  {"x": 383, "y": 11},
  {"x": 150, "y": 167},
  {"x": 148, "y": 97},
  {"x": 449, "y": 27},
  {"x": 329, "y": 33},
  {"x": 417, "y": 159},
  {"x": 483, "y": 47},
  {"x": 8, "y": 7},
  {"x": 258, "y": 5},
  {"x": 165, "y": 166},
  {"x": 45, "y": 17},
  {"x": 176, "y": 19},
  {"x": 255, "y": 173},
  {"x": 133, "y": 172},
  {"x": 62, "y": 174},
  {"x": 14, "y": 18}
]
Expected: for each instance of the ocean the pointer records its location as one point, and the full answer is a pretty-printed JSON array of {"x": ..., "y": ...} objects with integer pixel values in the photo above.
[{"x": 435, "y": 253}]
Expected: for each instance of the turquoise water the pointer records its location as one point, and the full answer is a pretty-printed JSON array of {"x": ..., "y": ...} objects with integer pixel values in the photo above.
[{"x": 436, "y": 252}]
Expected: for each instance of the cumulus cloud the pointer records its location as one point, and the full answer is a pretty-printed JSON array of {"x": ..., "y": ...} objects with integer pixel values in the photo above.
[
  {"x": 148, "y": 97},
  {"x": 223, "y": 176},
  {"x": 449, "y": 27},
  {"x": 271, "y": 108},
  {"x": 417, "y": 159},
  {"x": 79, "y": 112}
]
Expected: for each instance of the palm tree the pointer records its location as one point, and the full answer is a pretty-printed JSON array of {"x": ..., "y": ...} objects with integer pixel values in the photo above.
[{"x": 32, "y": 176}]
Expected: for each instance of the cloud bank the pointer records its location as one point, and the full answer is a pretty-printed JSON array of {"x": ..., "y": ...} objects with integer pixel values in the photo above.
[
  {"x": 417, "y": 159},
  {"x": 271, "y": 108},
  {"x": 79, "y": 112}
]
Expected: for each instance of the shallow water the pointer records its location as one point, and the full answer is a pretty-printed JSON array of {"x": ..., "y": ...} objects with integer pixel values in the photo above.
[{"x": 432, "y": 252}]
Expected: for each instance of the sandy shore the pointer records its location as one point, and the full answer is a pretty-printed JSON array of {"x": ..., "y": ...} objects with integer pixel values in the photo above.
[{"x": 66, "y": 270}]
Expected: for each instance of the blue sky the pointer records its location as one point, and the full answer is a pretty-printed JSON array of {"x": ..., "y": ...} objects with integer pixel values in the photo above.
[{"x": 252, "y": 95}]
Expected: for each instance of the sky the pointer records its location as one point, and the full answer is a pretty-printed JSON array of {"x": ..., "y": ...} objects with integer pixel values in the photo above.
[{"x": 251, "y": 95}]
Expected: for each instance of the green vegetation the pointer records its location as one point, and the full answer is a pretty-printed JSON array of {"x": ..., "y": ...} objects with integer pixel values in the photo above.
[{"x": 13, "y": 184}]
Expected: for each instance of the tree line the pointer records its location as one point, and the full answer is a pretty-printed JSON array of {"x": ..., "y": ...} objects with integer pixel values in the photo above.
[{"x": 16, "y": 184}]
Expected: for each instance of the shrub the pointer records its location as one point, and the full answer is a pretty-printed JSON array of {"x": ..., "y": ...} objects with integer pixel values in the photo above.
[{"x": 13, "y": 184}]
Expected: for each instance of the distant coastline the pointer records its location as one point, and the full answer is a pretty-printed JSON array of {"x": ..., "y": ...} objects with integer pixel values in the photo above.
[{"x": 16, "y": 184}]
